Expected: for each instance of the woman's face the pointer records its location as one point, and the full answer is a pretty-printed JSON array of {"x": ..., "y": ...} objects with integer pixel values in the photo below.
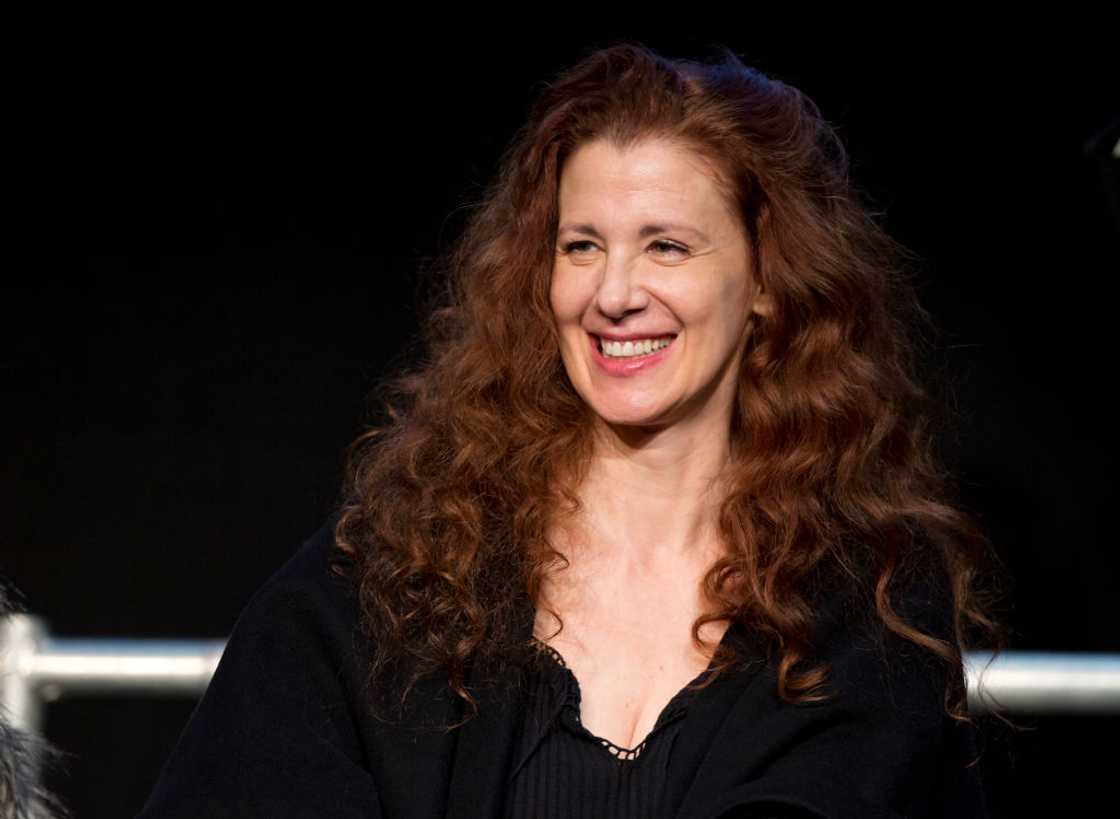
[{"x": 648, "y": 249}]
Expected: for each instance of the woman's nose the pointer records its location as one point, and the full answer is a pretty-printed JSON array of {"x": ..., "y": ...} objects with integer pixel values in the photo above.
[{"x": 620, "y": 289}]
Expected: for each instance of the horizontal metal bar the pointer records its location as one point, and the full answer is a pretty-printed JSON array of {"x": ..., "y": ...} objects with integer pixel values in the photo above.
[
  {"x": 1036, "y": 682},
  {"x": 102, "y": 666},
  {"x": 1044, "y": 682},
  {"x": 1018, "y": 681}
]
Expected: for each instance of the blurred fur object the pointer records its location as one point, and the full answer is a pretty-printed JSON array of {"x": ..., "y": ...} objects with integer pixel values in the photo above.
[{"x": 23, "y": 757}]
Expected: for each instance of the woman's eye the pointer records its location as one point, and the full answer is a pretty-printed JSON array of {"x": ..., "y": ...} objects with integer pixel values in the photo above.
[
  {"x": 661, "y": 245},
  {"x": 664, "y": 246},
  {"x": 575, "y": 246}
]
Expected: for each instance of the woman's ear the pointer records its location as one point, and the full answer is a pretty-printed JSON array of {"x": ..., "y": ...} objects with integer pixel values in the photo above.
[{"x": 763, "y": 304}]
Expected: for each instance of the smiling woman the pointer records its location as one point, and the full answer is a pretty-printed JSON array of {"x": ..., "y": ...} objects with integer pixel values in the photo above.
[
  {"x": 658, "y": 527},
  {"x": 640, "y": 283}
]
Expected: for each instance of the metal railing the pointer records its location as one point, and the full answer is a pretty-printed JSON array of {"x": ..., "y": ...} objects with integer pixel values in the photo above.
[{"x": 37, "y": 668}]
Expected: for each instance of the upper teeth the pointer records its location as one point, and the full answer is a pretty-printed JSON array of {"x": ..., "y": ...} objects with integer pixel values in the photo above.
[{"x": 639, "y": 347}]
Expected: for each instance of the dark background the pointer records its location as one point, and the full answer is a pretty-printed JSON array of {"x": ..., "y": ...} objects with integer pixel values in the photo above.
[{"x": 256, "y": 213}]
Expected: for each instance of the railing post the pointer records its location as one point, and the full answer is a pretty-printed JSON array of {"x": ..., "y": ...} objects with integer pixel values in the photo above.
[
  {"x": 21, "y": 639},
  {"x": 21, "y": 706}
]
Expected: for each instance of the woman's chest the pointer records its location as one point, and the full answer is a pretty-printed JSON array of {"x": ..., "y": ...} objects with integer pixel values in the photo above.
[{"x": 627, "y": 669}]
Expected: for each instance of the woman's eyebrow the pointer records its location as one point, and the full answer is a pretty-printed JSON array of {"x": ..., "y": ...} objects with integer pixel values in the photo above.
[{"x": 646, "y": 230}]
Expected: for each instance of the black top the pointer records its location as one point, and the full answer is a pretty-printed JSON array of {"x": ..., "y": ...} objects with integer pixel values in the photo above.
[
  {"x": 564, "y": 770},
  {"x": 283, "y": 729}
]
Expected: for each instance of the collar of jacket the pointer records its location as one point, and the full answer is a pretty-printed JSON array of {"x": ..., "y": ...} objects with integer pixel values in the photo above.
[{"x": 484, "y": 745}]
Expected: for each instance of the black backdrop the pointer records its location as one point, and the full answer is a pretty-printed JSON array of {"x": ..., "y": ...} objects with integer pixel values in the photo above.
[{"x": 256, "y": 213}]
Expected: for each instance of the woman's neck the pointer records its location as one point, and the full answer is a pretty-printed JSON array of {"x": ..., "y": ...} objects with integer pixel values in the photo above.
[{"x": 650, "y": 507}]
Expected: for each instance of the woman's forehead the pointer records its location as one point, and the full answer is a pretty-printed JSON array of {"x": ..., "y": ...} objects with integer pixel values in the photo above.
[
  {"x": 653, "y": 184},
  {"x": 653, "y": 161}
]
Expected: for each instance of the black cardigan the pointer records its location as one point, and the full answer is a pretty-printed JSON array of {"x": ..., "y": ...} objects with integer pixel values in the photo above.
[{"x": 282, "y": 732}]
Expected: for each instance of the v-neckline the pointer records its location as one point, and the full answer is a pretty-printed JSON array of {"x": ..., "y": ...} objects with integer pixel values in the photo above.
[{"x": 571, "y": 695}]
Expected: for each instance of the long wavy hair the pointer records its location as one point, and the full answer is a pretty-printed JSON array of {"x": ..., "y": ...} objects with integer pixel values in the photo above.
[{"x": 484, "y": 442}]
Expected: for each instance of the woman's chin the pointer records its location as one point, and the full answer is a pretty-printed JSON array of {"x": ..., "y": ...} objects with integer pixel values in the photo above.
[{"x": 636, "y": 419}]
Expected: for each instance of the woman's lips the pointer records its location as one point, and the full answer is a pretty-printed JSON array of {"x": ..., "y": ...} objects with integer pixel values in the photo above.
[{"x": 630, "y": 365}]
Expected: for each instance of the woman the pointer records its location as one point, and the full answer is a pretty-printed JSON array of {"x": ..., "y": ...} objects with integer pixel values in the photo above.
[{"x": 655, "y": 530}]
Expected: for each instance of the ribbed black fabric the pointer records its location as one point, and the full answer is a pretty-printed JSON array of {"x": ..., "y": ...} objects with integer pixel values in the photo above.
[{"x": 561, "y": 769}]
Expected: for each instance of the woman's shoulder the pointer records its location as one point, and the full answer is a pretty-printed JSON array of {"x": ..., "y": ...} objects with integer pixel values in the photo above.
[
  {"x": 871, "y": 659},
  {"x": 304, "y": 612},
  {"x": 306, "y": 581},
  {"x": 877, "y": 739},
  {"x": 273, "y": 734},
  {"x": 920, "y": 590},
  {"x": 307, "y": 560}
]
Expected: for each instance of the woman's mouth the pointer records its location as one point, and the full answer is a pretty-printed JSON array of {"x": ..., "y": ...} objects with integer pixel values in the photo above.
[{"x": 628, "y": 357}]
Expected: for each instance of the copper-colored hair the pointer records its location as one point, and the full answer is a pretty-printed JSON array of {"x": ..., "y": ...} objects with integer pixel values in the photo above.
[{"x": 449, "y": 502}]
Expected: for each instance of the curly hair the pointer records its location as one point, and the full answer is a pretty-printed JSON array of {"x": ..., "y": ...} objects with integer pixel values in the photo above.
[{"x": 449, "y": 502}]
